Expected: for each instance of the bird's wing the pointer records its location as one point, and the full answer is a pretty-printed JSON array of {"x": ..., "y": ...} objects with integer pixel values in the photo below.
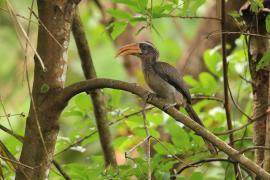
[{"x": 173, "y": 77}]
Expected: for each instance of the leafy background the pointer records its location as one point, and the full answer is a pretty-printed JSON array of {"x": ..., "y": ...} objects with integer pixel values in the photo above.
[{"x": 85, "y": 160}]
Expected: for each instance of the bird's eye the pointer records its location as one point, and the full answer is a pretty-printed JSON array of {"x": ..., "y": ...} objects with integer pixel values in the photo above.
[{"x": 143, "y": 48}]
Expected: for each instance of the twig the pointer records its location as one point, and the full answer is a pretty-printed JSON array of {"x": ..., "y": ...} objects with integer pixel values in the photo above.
[
  {"x": 241, "y": 127},
  {"x": 13, "y": 15},
  {"x": 45, "y": 28},
  {"x": 242, "y": 139},
  {"x": 5, "y": 112},
  {"x": 16, "y": 114},
  {"x": 17, "y": 162},
  {"x": 18, "y": 15},
  {"x": 60, "y": 169},
  {"x": 148, "y": 144},
  {"x": 136, "y": 146},
  {"x": 190, "y": 17},
  {"x": 237, "y": 106},
  {"x": 201, "y": 162},
  {"x": 201, "y": 97},
  {"x": 17, "y": 136},
  {"x": 253, "y": 148},
  {"x": 225, "y": 77},
  {"x": 96, "y": 95},
  {"x": 236, "y": 32}
]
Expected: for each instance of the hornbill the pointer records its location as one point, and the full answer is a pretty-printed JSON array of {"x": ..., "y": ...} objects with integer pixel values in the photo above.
[{"x": 163, "y": 79}]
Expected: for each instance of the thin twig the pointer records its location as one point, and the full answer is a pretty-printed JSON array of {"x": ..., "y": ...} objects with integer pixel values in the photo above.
[
  {"x": 136, "y": 146},
  {"x": 254, "y": 148},
  {"x": 201, "y": 162},
  {"x": 148, "y": 144},
  {"x": 212, "y": 98},
  {"x": 241, "y": 127},
  {"x": 226, "y": 82},
  {"x": 45, "y": 28},
  {"x": 5, "y": 112},
  {"x": 60, "y": 169},
  {"x": 13, "y": 15},
  {"x": 235, "y": 32}
]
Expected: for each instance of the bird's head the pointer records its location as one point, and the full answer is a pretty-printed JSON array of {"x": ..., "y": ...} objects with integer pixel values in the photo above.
[{"x": 143, "y": 50}]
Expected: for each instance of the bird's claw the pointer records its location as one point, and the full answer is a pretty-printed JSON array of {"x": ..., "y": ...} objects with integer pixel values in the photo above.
[
  {"x": 150, "y": 97},
  {"x": 167, "y": 106}
]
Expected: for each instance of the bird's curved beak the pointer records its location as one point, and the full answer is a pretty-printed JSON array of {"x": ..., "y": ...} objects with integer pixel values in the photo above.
[{"x": 129, "y": 49}]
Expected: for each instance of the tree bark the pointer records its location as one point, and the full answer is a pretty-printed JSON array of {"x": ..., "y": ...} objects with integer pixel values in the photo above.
[
  {"x": 44, "y": 111},
  {"x": 260, "y": 94},
  {"x": 96, "y": 95}
]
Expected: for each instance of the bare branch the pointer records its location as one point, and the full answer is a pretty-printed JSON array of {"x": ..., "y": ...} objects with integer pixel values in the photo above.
[
  {"x": 83, "y": 86},
  {"x": 96, "y": 95}
]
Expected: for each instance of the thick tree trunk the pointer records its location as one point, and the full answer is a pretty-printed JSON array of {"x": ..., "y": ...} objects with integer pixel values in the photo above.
[{"x": 57, "y": 17}]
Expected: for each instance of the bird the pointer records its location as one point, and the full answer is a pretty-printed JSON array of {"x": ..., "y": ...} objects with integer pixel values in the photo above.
[{"x": 163, "y": 79}]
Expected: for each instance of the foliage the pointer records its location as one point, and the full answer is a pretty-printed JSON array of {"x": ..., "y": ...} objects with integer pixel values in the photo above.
[{"x": 170, "y": 139}]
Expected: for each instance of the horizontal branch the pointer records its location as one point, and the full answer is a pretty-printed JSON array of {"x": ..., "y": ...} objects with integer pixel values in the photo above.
[{"x": 83, "y": 86}]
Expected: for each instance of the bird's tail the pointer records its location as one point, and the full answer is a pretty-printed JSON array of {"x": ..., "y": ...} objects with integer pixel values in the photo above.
[{"x": 196, "y": 118}]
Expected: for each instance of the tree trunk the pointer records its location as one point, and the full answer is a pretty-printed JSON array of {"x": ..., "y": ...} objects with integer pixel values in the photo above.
[
  {"x": 260, "y": 92},
  {"x": 44, "y": 112}
]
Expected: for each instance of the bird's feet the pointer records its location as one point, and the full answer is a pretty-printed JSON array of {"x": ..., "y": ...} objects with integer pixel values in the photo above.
[
  {"x": 167, "y": 106},
  {"x": 150, "y": 97}
]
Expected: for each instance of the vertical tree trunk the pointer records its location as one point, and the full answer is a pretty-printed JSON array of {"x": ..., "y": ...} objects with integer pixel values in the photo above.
[
  {"x": 266, "y": 164},
  {"x": 258, "y": 46},
  {"x": 57, "y": 16}
]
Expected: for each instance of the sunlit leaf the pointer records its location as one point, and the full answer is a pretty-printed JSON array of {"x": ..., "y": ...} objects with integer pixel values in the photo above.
[
  {"x": 212, "y": 59},
  {"x": 179, "y": 136},
  {"x": 118, "y": 28},
  {"x": 263, "y": 61},
  {"x": 119, "y": 14}
]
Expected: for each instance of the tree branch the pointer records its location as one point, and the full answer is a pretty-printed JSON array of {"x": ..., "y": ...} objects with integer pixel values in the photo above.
[
  {"x": 83, "y": 86},
  {"x": 96, "y": 95}
]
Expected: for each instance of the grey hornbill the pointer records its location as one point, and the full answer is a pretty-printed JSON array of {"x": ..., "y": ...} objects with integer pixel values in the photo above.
[{"x": 163, "y": 79}]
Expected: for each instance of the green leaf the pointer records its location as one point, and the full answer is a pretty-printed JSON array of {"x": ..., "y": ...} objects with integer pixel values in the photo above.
[
  {"x": 256, "y": 5},
  {"x": 208, "y": 84},
  {"x": 120, "y": 142},
  {"x": 168, "y": 149},
  {"x": 195, "y": 5},
  {"x": 179, "y": 136},
  {"x": 267, "y": 23},
  {"x": 134, "y": 122},
  {"x": 118, "y": 28},
  {"x": 119, "y": 14},
  {"x": 212, "y": 58},
  {"x": 190, "y": 81},
  {"x": 83, "y": 102},
  {"x": 196, "y": 176},
  {"x": 263, "y": 61},
  {"x": 130, "y": 3},
  {"x": 142, "y": 4}
]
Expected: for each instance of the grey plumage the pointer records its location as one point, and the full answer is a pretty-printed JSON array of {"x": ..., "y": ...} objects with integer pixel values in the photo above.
[{"x": 164, "y": 80}]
